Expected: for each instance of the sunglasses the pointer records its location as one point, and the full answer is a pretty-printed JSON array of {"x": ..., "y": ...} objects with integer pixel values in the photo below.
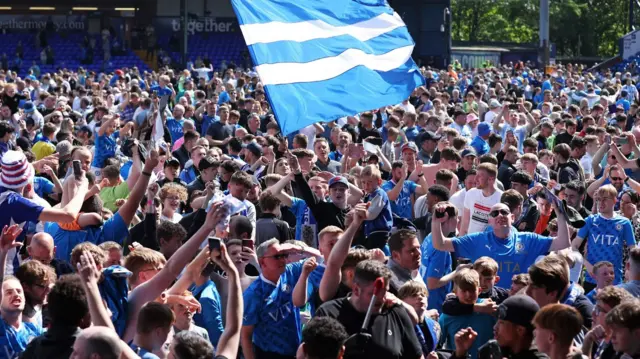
[
  {"x": 616, "y": 179},
  {"x": 498, "y": 212}
]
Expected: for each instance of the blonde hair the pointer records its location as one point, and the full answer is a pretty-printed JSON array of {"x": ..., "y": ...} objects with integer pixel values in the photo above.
[
  {"x": 141, "y": 257},
  {"x": 371, "y": 171},
  {"x": 412, "y": 288},
  {"x": 467, "y": 279},
  {"x": 173, "y": 188},
  {"x": 486, "y": 266},
  {"x": 330, "y": 230},
  {"x": 607, "y": 189}
]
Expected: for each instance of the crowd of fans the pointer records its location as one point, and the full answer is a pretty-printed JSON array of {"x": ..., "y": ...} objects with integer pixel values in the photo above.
[{"x": 492, "y": 214}]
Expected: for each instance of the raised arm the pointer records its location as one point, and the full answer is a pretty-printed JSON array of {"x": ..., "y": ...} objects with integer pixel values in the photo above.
[
  {"x": 300, "y": 291},
  {"x": 597, "y": 158},
  {"x": 278, "y": 189},
  {"x": 76, "y": 190},
  {"x": 230, "y": 339},
  {"x": 128, "y": 209},
  {"x": 593, "y": 187},
  {"x": 99, "y": 316},
  {"x": 90, "y": 276},
  {"x": 397, "y": 189},
  {"x": 105, "y": 124},
  {"x": 440, "y": 242},
  {"x": 154, "y": 287},
  {"x": 7, "y": 242},
  {"x": 562, "y": 240},
  {"x": 332, "y": 275}
]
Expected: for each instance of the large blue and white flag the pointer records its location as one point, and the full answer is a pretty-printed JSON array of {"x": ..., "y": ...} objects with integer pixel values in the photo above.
[{"x": 324, "y": 59}]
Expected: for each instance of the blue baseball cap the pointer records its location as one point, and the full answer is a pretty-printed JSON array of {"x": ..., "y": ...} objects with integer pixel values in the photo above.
[
  {"x": 484, "y": 129},
  {"x": 29, "y": 107}
]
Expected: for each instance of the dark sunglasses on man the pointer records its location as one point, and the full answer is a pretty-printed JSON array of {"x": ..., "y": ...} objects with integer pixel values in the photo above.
[{"x": 496, "y": 212}]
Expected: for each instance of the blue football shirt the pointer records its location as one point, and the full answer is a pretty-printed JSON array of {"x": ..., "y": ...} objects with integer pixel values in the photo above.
[
  {"x": 514, "y": 254},
  {"x": 268, "y": 308},
  {"x": 401, "y": 207},
  {"x": 175, "y": 129},
  {"x": 210, "y": 316},
  {"x": 435, "y": 264},
  {"x": 384, "y": 221},
  {"x": 206, "y": 122},
  {"x": 14, "y": 341},
  {"x": 114, "y": 229},
  {"x": 606, "y": 238},
  {"x": 306, "y": 225},
  {"x": 105, "y": 148}
]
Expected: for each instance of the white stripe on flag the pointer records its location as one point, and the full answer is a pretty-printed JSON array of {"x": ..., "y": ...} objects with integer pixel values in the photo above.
[
  {"x": 158, "y": 128},
  {"x": 318, "y": 29},
  {"x": 330, "y": 67}
]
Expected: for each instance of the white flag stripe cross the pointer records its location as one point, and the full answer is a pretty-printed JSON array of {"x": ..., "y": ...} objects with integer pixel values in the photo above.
[
  {"x": 330, "y": 67},
  {"x": 318, "y": 29}
]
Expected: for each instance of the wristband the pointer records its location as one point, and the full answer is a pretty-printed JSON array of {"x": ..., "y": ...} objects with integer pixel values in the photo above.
[
  {"x": 420, "y": 175},
  {"x": 146, "y": 174}
]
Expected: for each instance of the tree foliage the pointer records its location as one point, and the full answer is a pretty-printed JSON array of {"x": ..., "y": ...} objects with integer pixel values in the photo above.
[{"x": 577, "y": 27}]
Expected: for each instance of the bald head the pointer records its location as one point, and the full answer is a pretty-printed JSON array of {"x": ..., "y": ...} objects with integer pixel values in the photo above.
[
  {"x": 41, "y": 247},
  {"x": 500, "y": 217},
  {"x": 98, "y": 342}
]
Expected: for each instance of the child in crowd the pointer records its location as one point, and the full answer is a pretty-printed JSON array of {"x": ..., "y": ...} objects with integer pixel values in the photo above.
[
  {"x": 487, "y": 269},
  {"x": 467, "y": 289},
  {"x": 556, "y": 327},
  {"x": 379, "y": 216},
  {"x": 518, "y": 283},
  {"x": 604, "y": 275},
  {"x": 428, "y": 330}
]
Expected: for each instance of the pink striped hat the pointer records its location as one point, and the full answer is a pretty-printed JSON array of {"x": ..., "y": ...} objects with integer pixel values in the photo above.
[{"x": 15, "y": 171}]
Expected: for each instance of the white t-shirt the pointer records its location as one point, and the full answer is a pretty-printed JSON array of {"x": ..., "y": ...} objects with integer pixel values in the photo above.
[
  {"x": 310, "y": 132},
  {"x": 458, "y": 200},
  {"x": 489, "y": 117},
  {"x": 479, "y": 207},
  {"x": 585, "y": 162}
]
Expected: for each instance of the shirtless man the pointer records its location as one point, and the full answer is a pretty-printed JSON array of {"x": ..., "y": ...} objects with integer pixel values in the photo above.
[{"x": 449, "y": 160}]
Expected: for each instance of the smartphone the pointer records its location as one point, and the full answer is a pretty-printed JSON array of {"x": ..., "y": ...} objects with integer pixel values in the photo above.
[
  {"x": 214, "y": 243},
  {"x": 513, "y": 106},
  {"x": 77, "y": 169},
  {"x": 248, "y": 243},
  {"x": 621, "y": 141}
]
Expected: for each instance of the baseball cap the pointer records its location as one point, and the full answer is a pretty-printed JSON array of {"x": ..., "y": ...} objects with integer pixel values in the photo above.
[
  {"x": 171, "y": 162},
  {"x": 494, "y": 104},
  {"x": 519, "y": 310},
  {"x": 484, "y": 129},
  {"x": 29, "y": 107},
  {"x": 338, "y": 179},
  {"x": 63, "y": 148},
  {"x": 468, "y": 152},
  {"x": 254, "y": 148},
  {"x": 409, "y": 146},
  {"x": 430, "y": 136},
  {"x": 119, "y": 73}
]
